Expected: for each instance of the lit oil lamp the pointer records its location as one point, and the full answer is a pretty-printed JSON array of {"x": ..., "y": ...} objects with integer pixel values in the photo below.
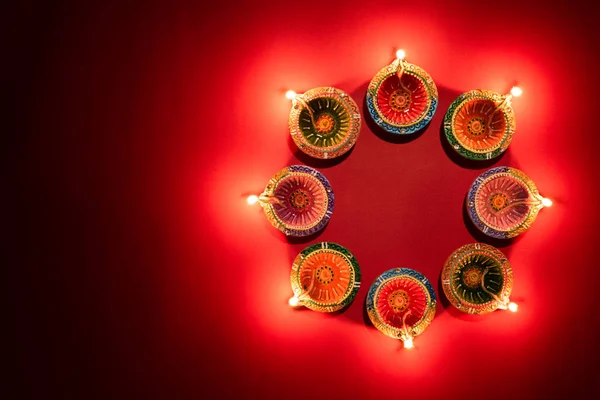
[
  {"x": 480, "y": 124},
  {"x": 401, "y": 304},
  {"x": 402, "y": 97},
  {"x": 325, "y": 277},
  {"x": 503, "y": 202},
  {"x": 324, "y": 122},
  {"x": 298, "y": 200},
  {"x": 477, "y": 279}
]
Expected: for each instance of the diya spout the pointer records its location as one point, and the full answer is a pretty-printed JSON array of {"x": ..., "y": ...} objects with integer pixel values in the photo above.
[
  {"x": 298, "y": 299},
  {"x": 406, "y": 337},
  {"x": 537, "y": 200},
  {"x": 264, "y": 199},
  {"x": 400, "y": 68},
  {"x": 506, "y": 304},
  {"x": 503, "y": 303},
  {"x": 297, "y": 98},
  {"x": 400, "y": 54},
  {"x": 515, "y": 91}
]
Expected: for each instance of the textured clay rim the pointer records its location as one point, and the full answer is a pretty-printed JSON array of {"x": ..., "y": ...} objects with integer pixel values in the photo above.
[
  {"x": 278, "y": 223},
  {"x": 379, "y": 117},
  {"x": 353, "y": 284},
  {"x": 474, "y": 190},
  {"x": 351, "y": 108},
  {"x": 451, "y": 265},
  {"x": 418, "y": 279},
  {"x": 450, "y": 119}
]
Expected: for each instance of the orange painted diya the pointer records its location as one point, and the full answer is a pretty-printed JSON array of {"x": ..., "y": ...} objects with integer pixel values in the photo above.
[
  {"x": 479, "y": 124},
  {"x": 325, "y": 277}
]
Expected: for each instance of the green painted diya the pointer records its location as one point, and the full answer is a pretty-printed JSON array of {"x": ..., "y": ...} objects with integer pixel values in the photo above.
[
  {"x": 477, "y": 279},
  {"x": 325, "y": 277},
  {"x": 480, "y": 124},
  {"x": 324, "y": 122}
]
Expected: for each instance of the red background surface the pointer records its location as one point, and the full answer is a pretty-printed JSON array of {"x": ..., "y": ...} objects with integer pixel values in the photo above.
[{"x": 140, "y": 272}]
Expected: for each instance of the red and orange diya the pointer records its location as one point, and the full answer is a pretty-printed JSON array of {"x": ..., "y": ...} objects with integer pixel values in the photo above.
[
  {"x": 503, "y": 202},
  {"x": 324, "y": 122},
  {"x": 325, "y": 277},
  {"x": 401, "y": 304},
  {"x": 480, "y": 124},
  {"x": 477, "y": 279},
  {"x": 402, "y": 98},
  {"x": 298, "y": 200}
]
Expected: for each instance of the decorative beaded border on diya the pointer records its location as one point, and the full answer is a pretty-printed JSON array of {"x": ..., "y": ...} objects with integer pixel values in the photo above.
[
  {"x": 399, "y": 306},
  {"x": 324, "y": 122},
  {"x": 322, "y": 183},
  {"x": 380, "y": 117},
  {"x": 325, "y": 277},
  {"x": 475, "y": 213},
  {"x": 479, "y": 123},
  {"x": 480, "y": 272}
]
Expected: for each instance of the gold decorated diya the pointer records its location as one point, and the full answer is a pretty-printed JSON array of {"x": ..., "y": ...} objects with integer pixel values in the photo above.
[
  {"x": 503, "y": 202},
  {"x": 298, "y": 200},
  {"x": 401, "y": 304},
  {"x": 324, "y": 122},
  {"x": 325, "y": 277},
  {"x": 480, "y": 124},
  {"x": 477, "y": 279},
  {"x": 402, "y": 97}
]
